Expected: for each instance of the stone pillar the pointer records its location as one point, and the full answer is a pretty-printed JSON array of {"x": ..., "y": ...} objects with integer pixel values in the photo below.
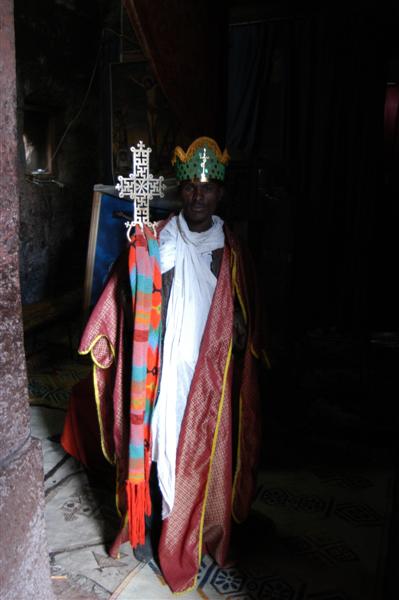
[{"x": 24, "y": 562}]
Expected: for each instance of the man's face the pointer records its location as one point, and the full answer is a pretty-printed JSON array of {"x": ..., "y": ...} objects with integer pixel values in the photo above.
[{"x": 200, "y": 201}]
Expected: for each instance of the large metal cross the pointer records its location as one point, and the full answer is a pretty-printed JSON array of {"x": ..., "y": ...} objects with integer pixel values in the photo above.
[{"x": 141, "y": 186}]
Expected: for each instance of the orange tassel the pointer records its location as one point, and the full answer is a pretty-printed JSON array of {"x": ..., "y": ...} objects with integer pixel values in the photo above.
[{"x": 135, "y": 507}]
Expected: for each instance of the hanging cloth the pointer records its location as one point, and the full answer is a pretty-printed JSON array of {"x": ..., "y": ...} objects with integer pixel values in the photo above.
[{"x": 146, "y": 282}]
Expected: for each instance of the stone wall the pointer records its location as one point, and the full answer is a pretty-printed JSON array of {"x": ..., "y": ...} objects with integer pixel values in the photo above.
[
  {"x": 56, "y": 48},
  {"x": 24, "y": 564}
]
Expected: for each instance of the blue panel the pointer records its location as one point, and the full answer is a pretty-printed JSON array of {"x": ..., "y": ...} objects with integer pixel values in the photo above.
[{"x": 111, "y": 240}]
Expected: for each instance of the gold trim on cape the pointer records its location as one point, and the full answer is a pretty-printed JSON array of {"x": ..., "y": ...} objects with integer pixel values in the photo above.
[
  {"x": 236, "y": 286},
  {"x": 97, "y": 365},
  {"x": 215, "y": 437}
]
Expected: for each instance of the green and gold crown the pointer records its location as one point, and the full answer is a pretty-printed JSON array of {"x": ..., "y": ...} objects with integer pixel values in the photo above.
[{"x": 202, "y": 162}]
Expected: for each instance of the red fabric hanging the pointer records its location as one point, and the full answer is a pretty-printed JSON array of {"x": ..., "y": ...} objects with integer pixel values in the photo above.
[{"x": 186, "y": 44}]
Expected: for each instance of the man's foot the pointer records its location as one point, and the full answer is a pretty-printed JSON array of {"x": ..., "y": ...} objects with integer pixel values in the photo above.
[{"x": 143, "y": 552}]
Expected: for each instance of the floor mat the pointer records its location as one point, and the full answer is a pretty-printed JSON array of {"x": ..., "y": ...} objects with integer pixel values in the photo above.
[
  {"x": 329, "y": 542},
  {"x": 51, "y": 385},
  {"x": 317, "y": 533}
]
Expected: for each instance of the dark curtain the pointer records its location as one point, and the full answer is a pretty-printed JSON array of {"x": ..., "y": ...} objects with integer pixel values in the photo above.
[
  {"x": 185, "y": 42},
  {"x": 334, "y": 157},
  {"x": 109, "y": 54},
  {"x": 250, "y": 60},
  {"x": 385, "y": 298},
  {"x": 391, "y": 130},
  {"x": 331, "y": 127}
]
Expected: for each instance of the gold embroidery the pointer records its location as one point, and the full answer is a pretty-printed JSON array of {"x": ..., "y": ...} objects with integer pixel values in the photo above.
[
  {"x": 97, "y": 365},
  {"x": 100, "y": 421},
  {"x": 215, "y": 436},
  {"x": 198, "y": 144},
  {"x": 236, "y": 287}
]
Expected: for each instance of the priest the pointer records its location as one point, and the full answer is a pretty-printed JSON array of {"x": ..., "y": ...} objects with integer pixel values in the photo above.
[{"x": 204, "y": 426}]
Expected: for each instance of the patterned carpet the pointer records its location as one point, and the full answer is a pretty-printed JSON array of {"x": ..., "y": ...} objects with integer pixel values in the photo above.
[
  {"x": 317, "y": 532},
  {"x": 328, "y": 538},
  {"x": 50, "y": 379},
  {"x": 329, "y": 542}
]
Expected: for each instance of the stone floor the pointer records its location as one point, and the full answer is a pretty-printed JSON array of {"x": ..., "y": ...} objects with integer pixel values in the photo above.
[
  {"x": 80, "y": 519},
  {"x": 325, "y": 422},
  {"x": 330, "y": 525}
]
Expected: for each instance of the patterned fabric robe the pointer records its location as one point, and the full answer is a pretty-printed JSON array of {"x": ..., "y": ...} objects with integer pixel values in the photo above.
[{"x": 219, "y": 441}]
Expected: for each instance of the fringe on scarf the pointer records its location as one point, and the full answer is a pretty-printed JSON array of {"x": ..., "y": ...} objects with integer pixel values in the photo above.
[{"x": 138, "y": 505}]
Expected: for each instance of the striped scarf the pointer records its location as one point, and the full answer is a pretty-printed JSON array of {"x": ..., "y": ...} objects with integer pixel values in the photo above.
[{"x": 146, "y": 284}]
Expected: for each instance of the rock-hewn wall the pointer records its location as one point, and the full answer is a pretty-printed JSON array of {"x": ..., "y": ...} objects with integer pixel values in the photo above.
[
  {"x": 56, "y": 49},
  {"x": 24, "y": 564}
]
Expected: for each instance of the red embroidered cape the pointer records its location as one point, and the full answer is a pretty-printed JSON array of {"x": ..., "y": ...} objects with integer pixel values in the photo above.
[{"x": 208, "y": 493}]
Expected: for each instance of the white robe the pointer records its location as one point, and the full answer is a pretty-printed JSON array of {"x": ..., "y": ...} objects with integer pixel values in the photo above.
[{"x": 191, "y": 295}]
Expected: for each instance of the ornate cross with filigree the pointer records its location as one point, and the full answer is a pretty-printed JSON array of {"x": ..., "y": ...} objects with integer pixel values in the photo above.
[{"x": 141, "y": 186}]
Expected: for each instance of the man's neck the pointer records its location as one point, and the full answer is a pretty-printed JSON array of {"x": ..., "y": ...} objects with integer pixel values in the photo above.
[{"x": 199, "y": 227}]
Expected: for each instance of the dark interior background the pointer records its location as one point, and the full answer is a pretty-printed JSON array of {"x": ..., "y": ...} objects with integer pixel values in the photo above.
[{"x": 305, "y": 95}]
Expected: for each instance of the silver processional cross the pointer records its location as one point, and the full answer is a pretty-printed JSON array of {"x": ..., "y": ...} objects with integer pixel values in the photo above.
[{"x": 141, "y": 186}]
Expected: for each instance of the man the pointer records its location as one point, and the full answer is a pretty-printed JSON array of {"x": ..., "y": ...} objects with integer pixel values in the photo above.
[{"x": 205, "y": 424}]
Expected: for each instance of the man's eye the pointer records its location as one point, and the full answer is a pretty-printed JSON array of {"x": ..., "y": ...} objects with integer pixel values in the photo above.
[{"x": 188, "y": 188}]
